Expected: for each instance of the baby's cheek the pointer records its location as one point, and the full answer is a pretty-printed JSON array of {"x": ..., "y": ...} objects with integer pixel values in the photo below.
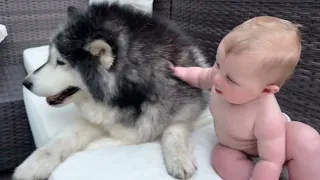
[{"x": 211, "y": 104}]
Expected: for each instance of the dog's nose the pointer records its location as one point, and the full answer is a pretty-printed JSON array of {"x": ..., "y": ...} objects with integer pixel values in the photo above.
[{"x": 27, "y": 84}]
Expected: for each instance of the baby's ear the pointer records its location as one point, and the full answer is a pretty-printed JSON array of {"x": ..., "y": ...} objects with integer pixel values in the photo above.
[
  {"x": 103, "y": 50},
  {"x": 270, "y": 89}
]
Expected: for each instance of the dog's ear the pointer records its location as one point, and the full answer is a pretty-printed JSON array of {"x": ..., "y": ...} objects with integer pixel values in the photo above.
[
  {"x": 103, "y": 50},
  {"x": 72, "y": 12}
]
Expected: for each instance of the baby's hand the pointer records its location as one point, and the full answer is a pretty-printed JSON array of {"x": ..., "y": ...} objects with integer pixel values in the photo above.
[
  {"x": 195, "y": 76},
  {"x": 179, "y": 72}
]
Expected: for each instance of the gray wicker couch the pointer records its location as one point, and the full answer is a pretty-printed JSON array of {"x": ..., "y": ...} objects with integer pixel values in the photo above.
[{"x": 30, "y": 22}]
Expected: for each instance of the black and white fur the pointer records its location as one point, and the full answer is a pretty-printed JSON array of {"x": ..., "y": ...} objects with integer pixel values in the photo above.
[{"x": 119, "y": 58}]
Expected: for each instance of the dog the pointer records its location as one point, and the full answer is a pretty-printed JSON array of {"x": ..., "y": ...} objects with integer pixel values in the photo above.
[{"x": 112, "y": 62}]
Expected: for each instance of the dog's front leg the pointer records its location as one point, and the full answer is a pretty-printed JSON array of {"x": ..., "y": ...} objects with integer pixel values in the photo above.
[
  {"x": 41, "y": 163},
  {"x": 177, "y": 154}
]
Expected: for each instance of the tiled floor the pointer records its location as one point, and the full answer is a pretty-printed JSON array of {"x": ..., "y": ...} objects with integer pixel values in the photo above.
[{"x": 5, "y": 175}]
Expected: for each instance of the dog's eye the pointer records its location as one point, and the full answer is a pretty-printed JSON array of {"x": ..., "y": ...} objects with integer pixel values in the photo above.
[{"x": 60, "y": 62}]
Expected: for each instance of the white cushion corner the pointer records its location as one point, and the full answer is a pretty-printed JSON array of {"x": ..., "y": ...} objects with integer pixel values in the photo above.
[{"x": 34, "y": 57}]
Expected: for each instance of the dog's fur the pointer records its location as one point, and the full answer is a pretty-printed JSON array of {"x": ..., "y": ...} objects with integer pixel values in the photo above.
[{"x": 119, "y": 58}]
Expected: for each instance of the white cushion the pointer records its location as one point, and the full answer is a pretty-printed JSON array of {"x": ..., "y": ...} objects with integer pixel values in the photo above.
[
  {"x": 3, "y": 32},
  {"x": 35, "y": 57},
  {"x": 137, "y": 162},
  {"x": 144, "y": 5}
]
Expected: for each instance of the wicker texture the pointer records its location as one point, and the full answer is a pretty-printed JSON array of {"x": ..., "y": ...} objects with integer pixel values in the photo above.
[
  {"x": 209, "y": 20},
  {"x": 15, "y": 137},
  {"x": 29, "y": 24}
]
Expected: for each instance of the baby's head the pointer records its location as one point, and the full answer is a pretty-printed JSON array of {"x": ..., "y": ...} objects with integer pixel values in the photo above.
[{"x": 260, "y": 53}]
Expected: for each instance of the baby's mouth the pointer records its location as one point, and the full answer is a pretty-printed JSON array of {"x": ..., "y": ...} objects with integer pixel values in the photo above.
[{"x": 218, "y": 91}]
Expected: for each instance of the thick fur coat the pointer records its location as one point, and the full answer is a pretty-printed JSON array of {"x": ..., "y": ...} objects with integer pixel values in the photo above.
[{"x": 112, "y": 61}]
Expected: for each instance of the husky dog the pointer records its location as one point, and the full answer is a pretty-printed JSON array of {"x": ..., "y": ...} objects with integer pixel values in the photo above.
[{"x": 112, "y": 62}]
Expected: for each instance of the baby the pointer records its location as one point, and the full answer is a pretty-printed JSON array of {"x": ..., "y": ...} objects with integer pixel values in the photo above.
[{"x": 253, "y": 61}]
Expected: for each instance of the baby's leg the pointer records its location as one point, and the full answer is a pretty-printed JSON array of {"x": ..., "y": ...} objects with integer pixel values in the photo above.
[
  {"x": 231, "y": 164},
  {"x": 303, "y": 151}
]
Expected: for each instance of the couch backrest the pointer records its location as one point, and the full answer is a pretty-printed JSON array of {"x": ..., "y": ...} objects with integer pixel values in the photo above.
[
  {"x": 29, "y": 23},
  {"x": 208, "y": 21}
]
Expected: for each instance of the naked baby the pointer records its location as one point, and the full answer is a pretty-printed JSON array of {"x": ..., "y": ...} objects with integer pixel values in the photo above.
[{"x": 253, "y": 61}]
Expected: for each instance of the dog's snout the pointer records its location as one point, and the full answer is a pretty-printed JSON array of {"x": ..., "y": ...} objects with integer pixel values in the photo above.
[{"x": 27, "y": 84}]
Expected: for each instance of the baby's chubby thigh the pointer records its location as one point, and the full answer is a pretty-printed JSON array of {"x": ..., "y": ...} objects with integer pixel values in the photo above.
[
  {"x": 299, "y": 138},
  {"x": 230, "y": 163},
  {"x": 302, "y": 151}
]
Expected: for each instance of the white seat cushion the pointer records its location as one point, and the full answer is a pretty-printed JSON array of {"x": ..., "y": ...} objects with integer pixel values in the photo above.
[{"x": 137, "y": 162}]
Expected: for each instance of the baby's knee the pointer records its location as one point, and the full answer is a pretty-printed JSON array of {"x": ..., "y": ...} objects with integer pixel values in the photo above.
[
  {"x": 230, "y": 163},
  {"x": 222, "y": 157},
  {"x": 216, "y": 157}
]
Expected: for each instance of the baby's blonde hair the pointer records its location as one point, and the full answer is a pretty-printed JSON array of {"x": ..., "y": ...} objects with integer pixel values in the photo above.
[{"x": 279, "y": 39}]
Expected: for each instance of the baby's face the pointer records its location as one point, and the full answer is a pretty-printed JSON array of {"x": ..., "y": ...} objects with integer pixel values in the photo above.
[{"x": 237, "y": 78}]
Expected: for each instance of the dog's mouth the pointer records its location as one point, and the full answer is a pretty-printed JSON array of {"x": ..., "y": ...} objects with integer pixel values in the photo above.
[{"x": 59, "y": 98}]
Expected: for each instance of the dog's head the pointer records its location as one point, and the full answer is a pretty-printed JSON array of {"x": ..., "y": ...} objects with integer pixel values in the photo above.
[{"x": 80, "y": 60}]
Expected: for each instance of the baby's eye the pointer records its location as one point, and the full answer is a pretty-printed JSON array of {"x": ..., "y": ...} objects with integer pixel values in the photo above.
[
  {"x": 230, "y": 80},
  {"x": 218, "y": 65}
]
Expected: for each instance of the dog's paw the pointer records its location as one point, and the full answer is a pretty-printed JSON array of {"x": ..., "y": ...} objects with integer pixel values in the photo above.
[
  {"x": 38, "y": 166},
  {"x": 181, "y": 165}
]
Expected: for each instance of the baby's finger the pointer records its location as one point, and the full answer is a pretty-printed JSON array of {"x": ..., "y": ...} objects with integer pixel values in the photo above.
[
  {"x": 171, "y": 66},
  {"x": 180, "y": 72}
]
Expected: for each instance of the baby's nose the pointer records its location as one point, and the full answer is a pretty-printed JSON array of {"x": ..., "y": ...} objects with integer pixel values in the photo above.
[{"x": 217, "y": 78}]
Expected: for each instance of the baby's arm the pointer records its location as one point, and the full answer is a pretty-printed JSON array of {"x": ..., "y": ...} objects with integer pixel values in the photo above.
[
  {"x": 270, "y": 134},
  {"x": 195, "y": 76}
]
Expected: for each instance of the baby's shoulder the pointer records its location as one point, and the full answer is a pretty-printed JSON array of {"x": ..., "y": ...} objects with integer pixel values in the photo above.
[{"x": 270, "y": 118}]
